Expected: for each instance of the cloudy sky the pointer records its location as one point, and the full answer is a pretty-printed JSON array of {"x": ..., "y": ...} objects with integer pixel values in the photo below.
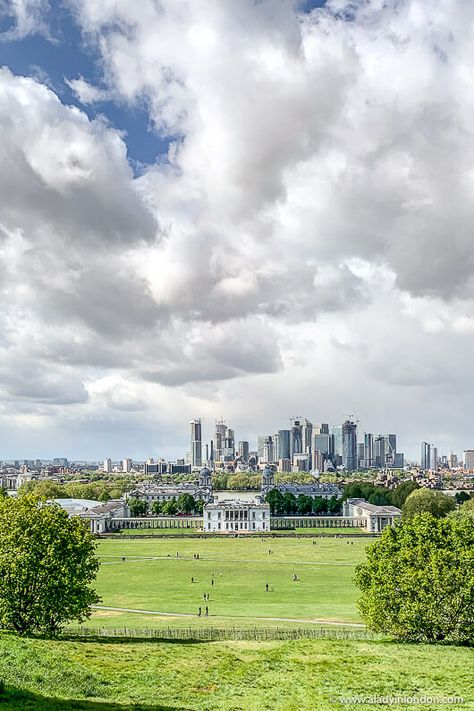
[{"x": 254, "y": 209}]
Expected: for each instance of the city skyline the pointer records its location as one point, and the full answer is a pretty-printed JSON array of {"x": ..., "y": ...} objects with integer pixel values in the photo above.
[
  {"x": 366, "y": 449},
  {"x": 286, "y": 230}
]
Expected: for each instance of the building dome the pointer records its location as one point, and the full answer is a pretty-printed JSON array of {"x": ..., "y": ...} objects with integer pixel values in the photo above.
[
  {"x": 205, "y": 477},
  {"x": 268, "y": 476}
]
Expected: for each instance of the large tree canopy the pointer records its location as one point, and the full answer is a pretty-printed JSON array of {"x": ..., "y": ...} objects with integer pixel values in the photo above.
[
  {"x": 47, "y": 563},
  {"x": 418, "y": 581},
  {"x": 426, "y": 501}
]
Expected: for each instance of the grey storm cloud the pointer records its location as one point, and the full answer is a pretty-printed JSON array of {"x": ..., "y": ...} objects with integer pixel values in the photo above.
[{"x": 315, "y": 205}]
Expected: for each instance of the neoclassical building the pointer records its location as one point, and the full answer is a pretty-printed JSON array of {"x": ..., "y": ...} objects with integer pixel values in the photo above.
[
  {"x": 314, "y": 490},
  {"x": 101, "y": 516},
  {"x": 237, "y": 517},
  {"x": 376, "y": 517},
  {"x": 151, "y": 492}
]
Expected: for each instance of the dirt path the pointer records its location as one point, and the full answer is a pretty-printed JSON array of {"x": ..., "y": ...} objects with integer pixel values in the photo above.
[
  {"x": 271, "y": 559},
  {"x": 227, "y": 617}
]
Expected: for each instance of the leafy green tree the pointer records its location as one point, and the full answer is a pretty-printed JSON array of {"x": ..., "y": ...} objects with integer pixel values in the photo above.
[
  {"x": 418, "y": 580},
  {"x": 366, "y": 490},
  {"x": 186, "y": 504},
  {"x": 461, "y": 497},
  {"x": 219, "y": 481},
  {"x": 275, "y": 499},
  {"x": 47, "y": 562},
  {"x": 466, "y": 509},
  {"x": 427, "y": 501},
  {"x": 43, "y": 489},
  {"x": 353, "y": 490},
  {"x": 320, "y": 505},
  {"x": 243, "y": 481},
  {"x": 334, "y": 505},
  {"x": 379, "y": 498},
  {"x": 156, "y": 508},
  {"x": 137, "y": 507},
  {"x": 199, "y": 508},
  {"x": 305, "y": 504},
  {"x": 290, "y": 504},
  {"x": 402, "y": 492},
  {"x": 170, "y": 508}
]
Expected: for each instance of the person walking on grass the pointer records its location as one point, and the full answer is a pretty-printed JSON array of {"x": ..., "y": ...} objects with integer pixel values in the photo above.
[
  {"x": 199, "y": 612},
  {"x": 207, "y": 611},
  {"x": 266, "y": 587}
]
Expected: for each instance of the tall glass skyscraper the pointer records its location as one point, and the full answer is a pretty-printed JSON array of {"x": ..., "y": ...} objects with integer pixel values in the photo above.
[
  {"x": 196, "y": 443},
  {"x": 349, "y": 445},
  {"x": 337, "y": 438},
  {"x": 425, "y": 455},
  {"x": 284, "y": 447},
  {"x": 296, "y": 437}
]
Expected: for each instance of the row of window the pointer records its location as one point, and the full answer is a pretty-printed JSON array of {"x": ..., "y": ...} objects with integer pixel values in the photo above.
[
  {"x": 234, "y": 526},
  {"x": 229, "y": 515}
]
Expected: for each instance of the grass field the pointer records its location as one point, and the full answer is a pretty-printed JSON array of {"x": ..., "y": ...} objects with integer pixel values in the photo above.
[
  {"x": 105, "y": 674},
  {"x": 305, "y": 675},
  {"x": 154, "y": 578}
]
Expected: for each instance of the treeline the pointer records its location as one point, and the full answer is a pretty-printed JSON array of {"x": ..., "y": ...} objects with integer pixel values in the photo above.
[
  {"x": 380, "y": 495},
  {"x": 253, "y": 480},
  {"x": 95, "y": 490},
  {"x": 290, "y": 505},
  {"x": 184, "y": 504}
]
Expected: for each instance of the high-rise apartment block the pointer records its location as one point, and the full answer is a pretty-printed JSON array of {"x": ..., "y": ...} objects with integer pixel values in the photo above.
[
  {"x": 425, "y": 459},
  {"x": 284, "y": 444},
  {"x": 349, "y": 445},
  {"x": 296, "y": 441},
  {"x": 468, "y": 459},
  {"x": 243, "y": 451},
  {"x": 196, "y": 443}
]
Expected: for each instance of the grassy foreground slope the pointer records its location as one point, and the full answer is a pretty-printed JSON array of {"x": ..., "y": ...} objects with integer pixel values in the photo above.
[
  {"x": 285, "y": 676},
  {"x": 154, "y": 578}
]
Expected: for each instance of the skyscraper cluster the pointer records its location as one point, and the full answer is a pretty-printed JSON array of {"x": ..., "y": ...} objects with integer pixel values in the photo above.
[{"x": 304, "y": 446}]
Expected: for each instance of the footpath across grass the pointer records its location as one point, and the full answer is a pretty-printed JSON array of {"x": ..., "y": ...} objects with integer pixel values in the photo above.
[
  {"x": 166, "y": 576},
  {"x": 223, "y": 676}
]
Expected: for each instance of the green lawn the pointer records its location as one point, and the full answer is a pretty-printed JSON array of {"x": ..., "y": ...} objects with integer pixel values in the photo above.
[
  {"x": 153, "y": 578},
  {"x": 304, "y": 675},
  {"x": 107, "y": 674}
]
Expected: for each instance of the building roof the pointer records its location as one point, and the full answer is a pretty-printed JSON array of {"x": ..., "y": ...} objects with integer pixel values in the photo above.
[
  {"x": 77, "y": 506},
  {"x": 373, "y": 508},
  {"x": 234, "y": 504}
]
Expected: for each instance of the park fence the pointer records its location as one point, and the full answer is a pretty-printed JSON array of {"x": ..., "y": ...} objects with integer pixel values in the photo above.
[{"x": 214, "y": 634}]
